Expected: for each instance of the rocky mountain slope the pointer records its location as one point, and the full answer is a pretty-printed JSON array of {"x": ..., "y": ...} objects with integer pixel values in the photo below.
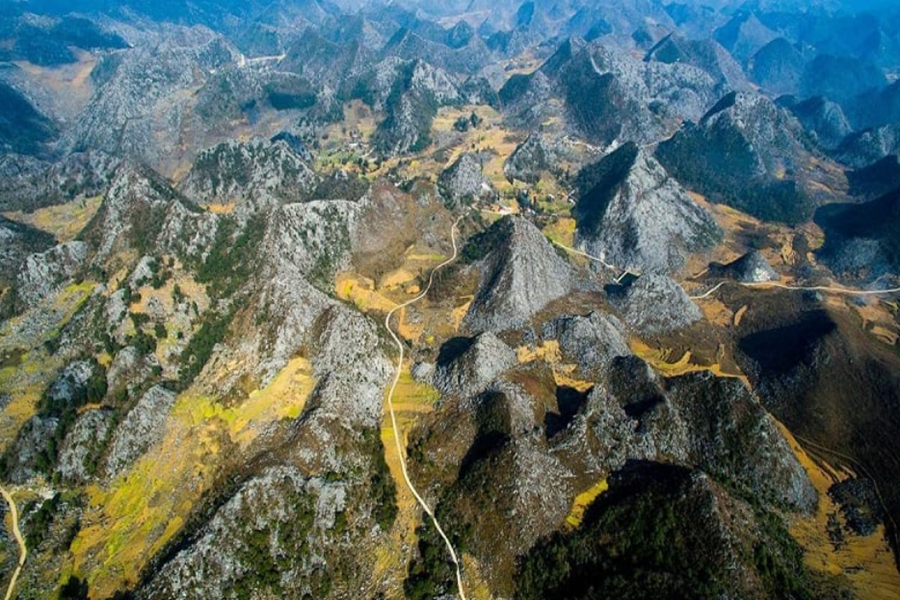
[{"x": 632, "y": 214}]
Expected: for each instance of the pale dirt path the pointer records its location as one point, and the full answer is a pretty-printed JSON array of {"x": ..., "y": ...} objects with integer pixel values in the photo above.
[
  {"x": 23, "y": 549},
  {"x": 390, "y": 404},
  {"x": 752, "y": 285}
]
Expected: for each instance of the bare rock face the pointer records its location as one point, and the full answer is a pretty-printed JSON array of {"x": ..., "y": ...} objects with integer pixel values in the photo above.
[
  {"x": 520, "y": 275},
  {"x": 254, "y": 175},
  {"x": 27, "y": 183},
  {"x": 475, "y": 368},
  {"x": 591, "y": 342},
  {"x": 141, "y": 428},
  {"x": 352, "y": 365},
  {"x": 45, "y": 273},
  {"x": 824, "y": 120},
  {"x": 142, "y": 211},
  {"x": 464, "y": 181},
  {"x": 632, "y": 214},
  {"x": 723, "y": 422},
  {"x": 23, "y": 459},
  {"x": 17, "y": 242},
  {"x": 746, "y": 152},
  {"x": 749, "y": 268},
  {"x": 699, "y": 420},
  {"x": 655, "y": 304},
  {"x": 79, "y": 453},
  {"x": 279, "y": 518},
  {"x": 607, "y": 95}
]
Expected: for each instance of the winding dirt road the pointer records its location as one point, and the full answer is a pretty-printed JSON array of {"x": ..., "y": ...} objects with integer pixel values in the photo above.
[
  {"x": 756, "y": 285},
  {"x": 23, "y": 549},
  {"x": 390, "y": 403}
]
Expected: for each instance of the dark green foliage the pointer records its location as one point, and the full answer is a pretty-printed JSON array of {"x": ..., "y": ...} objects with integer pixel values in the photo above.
[
  {"x": 143, "y": 342},
  {"x": 263, "y": 567},
  {"x": 159, "y": 330},
  {"x": 431, "y": 573},
  {"x": 230, "y": 263},
  {"x": 424, "y": 109},
  {"x": 719, "y": 163},
  {"x": 74, "y": 589},
  {"x": 23, "y": 130},
  {"x": 146, "y": 224},
  {"x": 513, "y": 89},
  {"x": 40, "y": 520},
  {"x": 381, "y": 484},
  {"x": 482, "y": 243},
  {"x": 653, "y": 535},
  {"x": 877, "y": 220},
  {"x": 212, "y": 330}
]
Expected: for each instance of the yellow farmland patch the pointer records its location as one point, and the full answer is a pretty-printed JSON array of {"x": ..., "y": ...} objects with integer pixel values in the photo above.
[
  {"x": 145, "y": 508},
  {"x": 63, "y": 221},
  {"x": 866, "y": 562},
  {"x": 660, "y": 360},
  {"x": 583, "y": 501},
  {"x": 361, "y": 292}
]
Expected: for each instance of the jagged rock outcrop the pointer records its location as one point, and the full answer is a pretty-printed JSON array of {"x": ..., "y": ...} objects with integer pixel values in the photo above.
[
  {"x": 745, "y": 152},
  {"x": 45, "y": 273},
  {"x": 703, "y": 54},
  {"x": 144, "y": 93},
  {"x": 142, "y": 427},
  {"x": 608, "y": 96},
  {"x": 141, "y": 212},
  {"x": 417, "y": 92},
  {"x": 749, "y": 268},
  {"x": 591, "y": 341},
  {"x": 470, "y": 371},
  {"x": 27, "y": 183},
  {"x": 542, "y": 152},
  {"x": 26, "y": 456},
  {"x": 521, "y": 274},
  {"x": 824, "y": 120},
  {"x": 654, "y": 304},
  {"x": 744, "y": 35},
  {"x": 863, "y": 148},
  {"x": 17, "y": 242},
  {"x": 777, "y": 67},
  {"x": 256, "y": 175},
  {"x": 464, "y": 181},
  {"x": 636, "y": 217},
  {"x": 79, "y": 455},
  {"x": 862, "y": 240},
  {"x": 698, "y": 420}
]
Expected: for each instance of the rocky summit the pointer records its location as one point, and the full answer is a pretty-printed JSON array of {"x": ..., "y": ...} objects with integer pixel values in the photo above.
[{"x": 509, "y": 300}]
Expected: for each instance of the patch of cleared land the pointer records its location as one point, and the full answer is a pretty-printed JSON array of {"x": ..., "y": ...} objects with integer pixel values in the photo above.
[{"x": 63, "y": 221}]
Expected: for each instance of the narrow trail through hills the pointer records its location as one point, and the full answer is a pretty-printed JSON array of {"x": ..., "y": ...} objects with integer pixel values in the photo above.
[
  {"x": 23, "y": 549},
  {"x": 390, "y": 403},
  {"x": 751, "y": 285}
]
